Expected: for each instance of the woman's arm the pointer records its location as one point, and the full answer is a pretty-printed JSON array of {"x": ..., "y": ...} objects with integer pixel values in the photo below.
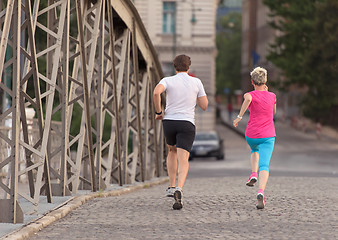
[{"x": 245, "y": 105}]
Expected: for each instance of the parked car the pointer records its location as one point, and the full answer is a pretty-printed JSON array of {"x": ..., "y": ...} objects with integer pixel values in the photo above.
[{"x": 207, "y": 144}]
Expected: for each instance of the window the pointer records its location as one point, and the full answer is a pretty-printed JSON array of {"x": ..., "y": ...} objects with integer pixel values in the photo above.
[
  {"x": 169, "y": 21},
  {"x": 232, "y": 3}
]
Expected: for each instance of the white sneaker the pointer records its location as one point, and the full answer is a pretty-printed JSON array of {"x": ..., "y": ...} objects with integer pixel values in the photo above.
[{"x": 170, "y": 191}]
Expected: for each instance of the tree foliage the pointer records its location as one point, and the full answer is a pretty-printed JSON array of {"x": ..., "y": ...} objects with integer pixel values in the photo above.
[
  {"x": 228, "y": 61},
  {"x": 321, "y": 62},
  {"x": 306, "y": 51}
]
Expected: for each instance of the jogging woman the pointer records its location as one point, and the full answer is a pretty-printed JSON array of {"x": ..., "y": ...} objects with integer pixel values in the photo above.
[{"x": 260, "y": 132}]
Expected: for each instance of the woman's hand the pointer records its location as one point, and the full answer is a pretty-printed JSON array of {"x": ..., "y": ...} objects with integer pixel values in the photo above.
[
  {"x": 244, "y": 107},
  {"x": 236, "y": 121}
]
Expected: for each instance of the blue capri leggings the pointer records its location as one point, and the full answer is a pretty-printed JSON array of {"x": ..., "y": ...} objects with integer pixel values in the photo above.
[{"x": 264, "y": 147}]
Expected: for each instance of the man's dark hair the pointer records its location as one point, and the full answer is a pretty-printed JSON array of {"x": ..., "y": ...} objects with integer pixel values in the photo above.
[{"x": 182, "y": 63}]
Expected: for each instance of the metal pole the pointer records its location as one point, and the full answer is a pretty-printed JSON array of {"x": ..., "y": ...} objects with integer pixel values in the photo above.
[
  {"x": 99, "y": 93},
  {"x": 136, "y": 78},
  {"x": 113, "y": 72},
  {"x": 174, "y": 38},
  {"x": 86, "y": 94},
  {"x": 153, "y": 122},
  {"x": 15, "y": 151},
  {"x": 64, "y": 103}
]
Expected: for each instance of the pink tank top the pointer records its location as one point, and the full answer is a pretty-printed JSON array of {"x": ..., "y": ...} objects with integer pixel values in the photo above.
[{"x": 261, "y": 123}]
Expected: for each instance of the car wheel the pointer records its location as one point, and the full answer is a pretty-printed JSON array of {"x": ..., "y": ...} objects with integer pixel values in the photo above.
[{"x": 220, "y": 157}]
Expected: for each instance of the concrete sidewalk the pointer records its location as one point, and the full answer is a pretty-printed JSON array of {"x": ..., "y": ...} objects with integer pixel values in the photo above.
[{"x": 61, "y": 206}]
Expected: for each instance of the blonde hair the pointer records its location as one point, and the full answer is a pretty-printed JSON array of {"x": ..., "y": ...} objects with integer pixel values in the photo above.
[{"x": 259, "y": 76}]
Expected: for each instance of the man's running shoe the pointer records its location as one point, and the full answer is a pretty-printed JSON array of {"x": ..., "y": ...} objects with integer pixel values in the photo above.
[
  {"x": 178, "y": 195},
  {"x": 252, "y": 179},
  {"x": 170, "y": 191},
  {"x": 260, "y": 199}
]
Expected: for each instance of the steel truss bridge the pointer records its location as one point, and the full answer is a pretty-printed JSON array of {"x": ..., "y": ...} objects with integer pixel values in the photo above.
[{"x": 90, "y": 60}]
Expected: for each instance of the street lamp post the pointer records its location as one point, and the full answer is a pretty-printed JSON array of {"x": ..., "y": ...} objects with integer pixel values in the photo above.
[{"x": 174, "y": 37}]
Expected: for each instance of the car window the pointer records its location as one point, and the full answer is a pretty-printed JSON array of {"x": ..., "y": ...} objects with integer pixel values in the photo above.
[{"x": 205, "y": 137}]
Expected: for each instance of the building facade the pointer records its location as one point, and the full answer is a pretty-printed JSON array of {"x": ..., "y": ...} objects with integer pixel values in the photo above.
[{"x": 185, "y": 27}]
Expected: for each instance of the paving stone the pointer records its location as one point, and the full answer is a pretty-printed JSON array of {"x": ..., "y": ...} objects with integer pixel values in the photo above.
[{"x": 214, "y": 208}]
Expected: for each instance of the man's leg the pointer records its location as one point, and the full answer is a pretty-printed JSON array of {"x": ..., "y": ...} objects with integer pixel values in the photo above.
[
  {"x": 183, "y": 166},
  {"x": 172, "y": 165},
  {"x": 185, "y": 138}
]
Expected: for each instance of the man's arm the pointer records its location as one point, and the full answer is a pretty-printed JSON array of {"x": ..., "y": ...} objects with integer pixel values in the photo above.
[
  {"x": 157, "y": 100},
  {"x": 203, "y": 102}
]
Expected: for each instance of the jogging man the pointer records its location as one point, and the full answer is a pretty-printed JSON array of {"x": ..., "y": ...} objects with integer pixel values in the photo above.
[{"x": 183, "y": 93}]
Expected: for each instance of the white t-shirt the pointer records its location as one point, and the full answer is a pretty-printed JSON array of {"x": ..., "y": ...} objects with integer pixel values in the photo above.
[{"x": 182, "y": 93}]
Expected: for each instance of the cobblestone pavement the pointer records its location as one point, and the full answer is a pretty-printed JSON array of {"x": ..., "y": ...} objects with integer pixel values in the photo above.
[
  {"x": 297, "y": 206},
  {"x": 214, "y": 208}
]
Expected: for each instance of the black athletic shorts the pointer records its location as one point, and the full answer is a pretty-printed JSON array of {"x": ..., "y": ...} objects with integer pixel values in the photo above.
[{"x": 180, "y": 133}]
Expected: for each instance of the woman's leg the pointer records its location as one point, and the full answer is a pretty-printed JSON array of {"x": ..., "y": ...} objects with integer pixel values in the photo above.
[
  {"x": 254, "y": 158},
  {"x": 263, "y": 179},
  {"x": 254, "y": 161},
  {"x": 265, "y": 152}
]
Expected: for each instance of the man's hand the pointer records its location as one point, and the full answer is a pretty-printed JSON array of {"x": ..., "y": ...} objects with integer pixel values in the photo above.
[{"x": 159, "y": 117}]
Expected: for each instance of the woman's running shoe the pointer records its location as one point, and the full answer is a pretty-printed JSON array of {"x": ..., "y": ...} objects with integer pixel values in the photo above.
[
  {"x": 178, "y": 195},
  {"x": 170, "y": 191},
  {"x": 252, "y": 179},
  {"x": 260, "y": 199}
]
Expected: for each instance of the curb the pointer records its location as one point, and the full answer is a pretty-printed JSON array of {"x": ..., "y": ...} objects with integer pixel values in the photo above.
[{"x": 73, "y": 203}]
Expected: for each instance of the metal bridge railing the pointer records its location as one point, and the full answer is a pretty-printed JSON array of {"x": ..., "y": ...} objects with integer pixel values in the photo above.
[{"x": 91, "y": 65}]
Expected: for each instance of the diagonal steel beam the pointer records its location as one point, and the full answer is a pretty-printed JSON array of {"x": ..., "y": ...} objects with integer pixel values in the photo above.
[{"x": 5, "y": 32}]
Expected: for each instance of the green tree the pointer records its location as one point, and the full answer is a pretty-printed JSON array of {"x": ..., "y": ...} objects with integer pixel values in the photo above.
[
  {"x": 321, "y": 64},
  {"x": 228, "y": 61},
  {"x": 306, "y": 51},
  {"x": 295, "y": 20}
]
